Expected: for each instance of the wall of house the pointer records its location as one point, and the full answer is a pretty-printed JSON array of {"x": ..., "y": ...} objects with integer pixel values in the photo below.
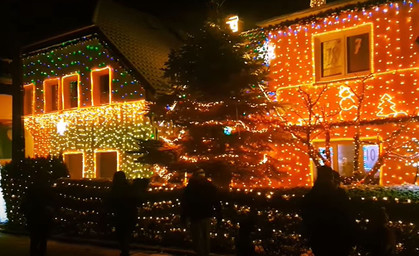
[
  {"x": 5, "y": 128},
  {"x": 89, "y": 124},
  {"x": 389, "y": 87}
]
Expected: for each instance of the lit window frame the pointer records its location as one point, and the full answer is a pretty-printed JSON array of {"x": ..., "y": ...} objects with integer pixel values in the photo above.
[
  {"x": 95, "y": 99},
  {"x": 96, "y": 151},
  {"x": 63, "y": 91},
  {"x": 32, "y": 85},
  {"x": 343, "y": 34},
  {"x": 83, "y": 157},
  {"x": 46, "y": 83},
  {"x": 377, "y": 140}
]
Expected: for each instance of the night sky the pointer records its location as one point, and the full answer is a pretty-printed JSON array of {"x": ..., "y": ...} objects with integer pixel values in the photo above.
[{"x": 40, "y": 19}]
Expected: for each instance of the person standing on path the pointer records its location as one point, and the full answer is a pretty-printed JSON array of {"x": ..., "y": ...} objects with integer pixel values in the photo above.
[
  {"x": 39, "y": 206},
  {"x": 198, "y": 205},
  {"x": 122, "y": 202},
  {"x": 327, "y": 217}
]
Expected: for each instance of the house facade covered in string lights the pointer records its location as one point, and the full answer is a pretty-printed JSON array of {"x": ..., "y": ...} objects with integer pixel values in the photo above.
[
  {"x": 346, "y": 77},
  {"x": 85, "y": 91}
]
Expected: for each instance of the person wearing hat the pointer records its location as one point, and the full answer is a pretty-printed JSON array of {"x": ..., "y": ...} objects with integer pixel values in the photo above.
[{"x": 198, "y": 205}]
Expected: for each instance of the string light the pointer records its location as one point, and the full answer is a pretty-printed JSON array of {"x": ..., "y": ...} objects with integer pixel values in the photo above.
[
  {"x": 390, "y": 82},
  {"x": 317, "y": 3},
  {"x": 86, "y": 126}
]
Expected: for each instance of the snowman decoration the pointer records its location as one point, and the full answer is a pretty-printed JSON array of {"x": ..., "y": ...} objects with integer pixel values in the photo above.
[{"x": 347, "y": 103}]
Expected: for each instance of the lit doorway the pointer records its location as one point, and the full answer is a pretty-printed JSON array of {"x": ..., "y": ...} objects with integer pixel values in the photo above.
[
  {"x": 106, "y": 164},
  {"x": 74, "y": 163}
]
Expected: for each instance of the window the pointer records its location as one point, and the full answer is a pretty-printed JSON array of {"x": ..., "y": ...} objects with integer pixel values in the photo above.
[
  {"x": 371, "y": 154},
  {"x": 70, "y": 93},
  {"x": 342, "y": 153},
  {"x": 74, "y": 163},
  {"x": 106, "y": 163},
  {"x": 343, "y": 53},
  {"x": 51, "y": 95},
  {"x": 6, "y": 116},
  {"x": 101, "y": 86},
  {"x": 322, "y": 151},
  {"x": 28, "y": 99},
  {"x": 346, "y": 153}
]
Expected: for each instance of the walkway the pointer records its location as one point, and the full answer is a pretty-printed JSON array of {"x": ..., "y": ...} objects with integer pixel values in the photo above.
[{"x": 13, "y": 245}]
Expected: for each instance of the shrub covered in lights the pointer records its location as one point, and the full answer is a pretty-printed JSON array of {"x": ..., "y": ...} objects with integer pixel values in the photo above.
[
  {"x": 278, "y": 231},
  {"x": 17, "y": 176}
]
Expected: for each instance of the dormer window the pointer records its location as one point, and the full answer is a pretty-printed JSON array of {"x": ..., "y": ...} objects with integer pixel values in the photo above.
[
  {"x": 51, "y": 95},
  {"x": 70, "y": 91},
  {"x": 101, "y": 86}
]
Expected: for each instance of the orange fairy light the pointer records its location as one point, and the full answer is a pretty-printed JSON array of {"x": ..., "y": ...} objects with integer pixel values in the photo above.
[{"x": 351, "y": 74}]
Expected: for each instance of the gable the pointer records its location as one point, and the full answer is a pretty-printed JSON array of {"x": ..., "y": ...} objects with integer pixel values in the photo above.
[{"x": 82, "y": 56}]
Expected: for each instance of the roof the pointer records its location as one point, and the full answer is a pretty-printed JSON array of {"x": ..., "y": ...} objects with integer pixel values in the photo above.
[
  {"x": 317, "y": 11},
  {"x": 143, "y": 40}
]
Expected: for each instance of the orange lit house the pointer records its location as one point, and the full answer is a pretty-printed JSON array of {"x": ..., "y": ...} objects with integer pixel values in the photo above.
[
  {"x": 343, "y": 66},
  {"x": 85, "y": 92}
]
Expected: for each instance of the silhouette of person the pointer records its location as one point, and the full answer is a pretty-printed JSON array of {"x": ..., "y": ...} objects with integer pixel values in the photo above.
[
  {"x": 38, "y": 206},
  {"x": 327, "y": 217},
  {"x": 381, "y": 240},
  {"x": 198, "y": 204},
  {"x": 122, "y": 202},
  {"x": 244, "y": 241}
]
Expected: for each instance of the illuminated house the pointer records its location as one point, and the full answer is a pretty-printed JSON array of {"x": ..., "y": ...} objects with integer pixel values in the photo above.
[
  {"x": 85, "y": 91},
  {"x": 357, "y": 64},
  {"x": 6, "y": 93}
]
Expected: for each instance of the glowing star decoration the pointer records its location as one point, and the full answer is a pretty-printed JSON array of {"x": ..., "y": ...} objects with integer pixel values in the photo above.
[
  {"x": 61, "y": 127},
  {"x": 267, "y": 52},
  {"x": 228, "y": 130},
  {"x": 347, "y": 103},
  {"x": 388, "y": 107},
  {"x": 233, "y": 22}
]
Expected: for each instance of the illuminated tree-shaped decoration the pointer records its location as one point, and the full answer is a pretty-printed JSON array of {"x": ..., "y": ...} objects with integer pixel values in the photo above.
[
  {"x": 388, "y": 107},
  {"x": 316, "y": 3},
  {"x": 347, "y": 103}
]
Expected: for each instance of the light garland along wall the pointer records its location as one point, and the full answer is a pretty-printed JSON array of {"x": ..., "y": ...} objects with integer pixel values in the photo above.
[
  {"x": 87, "y": 129},
  {"x": 391, "y": 83}
]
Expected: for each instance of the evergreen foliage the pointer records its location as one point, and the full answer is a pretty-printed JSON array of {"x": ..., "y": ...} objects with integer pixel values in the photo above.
[
  {"x": 217, "y": 85},
  {"x": 212, "y": 65},
  {"x": 16, "y": 177}
]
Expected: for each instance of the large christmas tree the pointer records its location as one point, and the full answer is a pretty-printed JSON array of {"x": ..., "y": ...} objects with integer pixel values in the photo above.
[{"x": 217, "y": 114}]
